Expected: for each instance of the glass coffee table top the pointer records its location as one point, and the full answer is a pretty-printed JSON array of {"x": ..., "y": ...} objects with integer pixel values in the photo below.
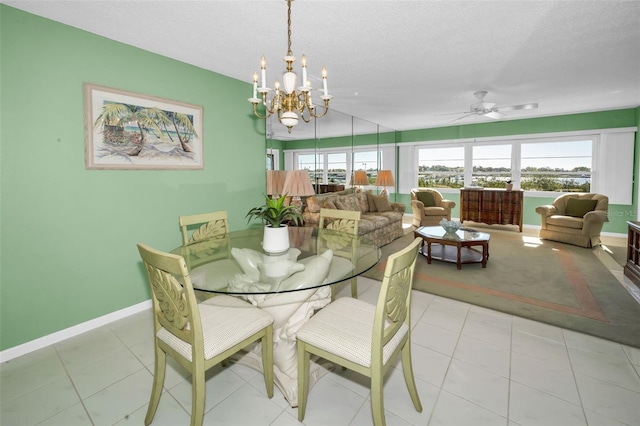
[{"x": 462, "y": 234}]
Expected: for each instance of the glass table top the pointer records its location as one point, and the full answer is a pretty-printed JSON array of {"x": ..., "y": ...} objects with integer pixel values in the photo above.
[
  {"x": 237, "y": 264},
  {"x": 462, "y": 234}
]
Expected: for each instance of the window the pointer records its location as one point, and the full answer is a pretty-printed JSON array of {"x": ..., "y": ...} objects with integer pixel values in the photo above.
[
  {"x": 563, "y": 165},
  {"x": 367, "y": 161},
  {"x": 314, "y": 163},
  {"x": 337, "y": 167},
  {"x": 491, "y": 166},
  {"x": 556, "y": 166},
  {"x": 441, "y": 167}
]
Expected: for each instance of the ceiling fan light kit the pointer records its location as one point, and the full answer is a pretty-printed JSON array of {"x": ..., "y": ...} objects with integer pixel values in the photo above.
[{"x": 290, "y": 103}]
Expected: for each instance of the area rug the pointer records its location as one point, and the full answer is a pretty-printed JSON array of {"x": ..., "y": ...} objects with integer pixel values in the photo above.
[
  {"x": 619, "y": 254},
  {"x": 546, "y": 281}
]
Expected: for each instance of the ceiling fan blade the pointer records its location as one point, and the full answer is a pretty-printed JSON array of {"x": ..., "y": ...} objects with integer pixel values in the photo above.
[
  {"x": 451, "y": 113},
  {"x": 494, "y": 114},
  {"x": 518, "y": 107},
  {"x": 464, "y": 116}
]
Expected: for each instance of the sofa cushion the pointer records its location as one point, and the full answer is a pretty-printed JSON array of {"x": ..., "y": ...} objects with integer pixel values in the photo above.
[
  {"x": 579, "y": 207},
  {"x": 329, "y": 204},
  {"x": 363, "y": 201},
  {"x": 382, "y": 203},
  {"x": 371, "y": 201},
  {"x": 348, "y": 202},
  {"x": 314, "y": 204},
  {"x": 426, "y": 198}
]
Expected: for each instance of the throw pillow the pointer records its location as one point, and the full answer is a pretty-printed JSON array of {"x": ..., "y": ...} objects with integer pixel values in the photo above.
[
  {"x": 339, "y": 205},
  {"x": 372, "y": 202},
  {"x": 382, "y": 203},
  {"x": 329, "y": 205},
  {"x": 314, "y": 204},
  {"x": 578, "y": 207},
  {"x": 349, "y": 202},
  {"x": 426, "y": 198}
]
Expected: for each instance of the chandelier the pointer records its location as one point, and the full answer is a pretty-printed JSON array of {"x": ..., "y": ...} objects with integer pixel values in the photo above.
[{"x": 289, "y": 102}]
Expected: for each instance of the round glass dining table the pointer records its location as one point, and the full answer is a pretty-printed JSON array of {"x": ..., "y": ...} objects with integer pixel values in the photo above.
[
  {"x": 290, "y": 286},
  {"x": 236, "y": 263}
]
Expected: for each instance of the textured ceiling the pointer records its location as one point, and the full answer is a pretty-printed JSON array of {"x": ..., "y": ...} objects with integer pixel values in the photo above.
[{"x": 396, "y": 63}]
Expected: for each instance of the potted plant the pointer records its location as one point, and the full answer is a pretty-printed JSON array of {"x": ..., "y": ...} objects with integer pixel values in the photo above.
[
  {"x": 275, "y": 215},
  {"x": 509, "y": 185}
]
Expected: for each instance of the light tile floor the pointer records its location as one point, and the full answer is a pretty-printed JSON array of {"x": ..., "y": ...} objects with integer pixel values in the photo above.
[{"x": 473, "y": 366}]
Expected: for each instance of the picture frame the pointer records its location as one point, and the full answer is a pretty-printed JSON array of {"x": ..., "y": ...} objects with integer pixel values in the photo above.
[{"x": 126, "y": 130}]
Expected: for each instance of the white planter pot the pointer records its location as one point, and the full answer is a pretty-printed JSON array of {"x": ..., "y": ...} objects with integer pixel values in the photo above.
[{"x": 275, "y": 240}]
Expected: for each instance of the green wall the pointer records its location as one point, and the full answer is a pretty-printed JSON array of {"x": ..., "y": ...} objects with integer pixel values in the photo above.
[{"x": 68, "y": 235}]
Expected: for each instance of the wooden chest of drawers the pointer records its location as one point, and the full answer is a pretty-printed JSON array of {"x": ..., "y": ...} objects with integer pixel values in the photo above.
[{"x": 492, "y": 206}]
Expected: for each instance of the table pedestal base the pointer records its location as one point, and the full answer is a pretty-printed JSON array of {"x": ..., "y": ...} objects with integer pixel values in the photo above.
[{"x": 288, "y": 385}]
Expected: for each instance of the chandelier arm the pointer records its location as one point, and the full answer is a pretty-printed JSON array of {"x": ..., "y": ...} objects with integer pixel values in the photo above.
[
  {"x": 326, "y": 110},
  {"x": 305, "y": 119},
  {"x": 257, "y": 114}
]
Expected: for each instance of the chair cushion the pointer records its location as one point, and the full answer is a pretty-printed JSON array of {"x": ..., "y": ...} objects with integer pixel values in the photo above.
[
  {"x": 345, "y": 328},
  {"x": 426, "y": 198},
  {"x": 434, "y": 211},
  {"x": 226, "y": 321},
  {"x": 579, "y": 207},
  {"x": 568, "y": 222},
  {"x": 382, "y": 203}
]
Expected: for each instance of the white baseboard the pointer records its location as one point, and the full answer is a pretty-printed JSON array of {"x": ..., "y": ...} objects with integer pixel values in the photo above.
[{"x": 42, "y": 342}]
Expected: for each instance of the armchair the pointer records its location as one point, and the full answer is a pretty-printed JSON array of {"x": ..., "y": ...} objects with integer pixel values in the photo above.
[
  {"x": 574, "y": 219},
  {"x": 429, "y": 208}
]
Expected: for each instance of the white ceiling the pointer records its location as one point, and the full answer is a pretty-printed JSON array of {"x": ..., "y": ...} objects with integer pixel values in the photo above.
[{"x": 396, "y": 63}]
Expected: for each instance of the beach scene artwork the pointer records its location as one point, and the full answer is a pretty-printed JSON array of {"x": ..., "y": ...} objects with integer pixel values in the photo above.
[{"x": 126, "y": 130}]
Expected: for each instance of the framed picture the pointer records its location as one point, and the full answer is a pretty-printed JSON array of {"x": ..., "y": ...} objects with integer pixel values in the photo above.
[{"x": 125, "y": 130}]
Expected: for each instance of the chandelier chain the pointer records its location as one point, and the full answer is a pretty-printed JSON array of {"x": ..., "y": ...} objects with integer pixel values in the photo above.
[{"x": 289, "y": 52}]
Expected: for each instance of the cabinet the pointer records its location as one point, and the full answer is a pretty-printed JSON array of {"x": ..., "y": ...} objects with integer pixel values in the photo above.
[
  {"x": 492, "y": 206},
  {"x": 632, "y": 267},
  {"x": 321, "y": 188}
]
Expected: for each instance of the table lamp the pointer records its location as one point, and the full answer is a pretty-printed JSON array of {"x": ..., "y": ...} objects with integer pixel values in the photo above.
[
  {"x": 296, "y": 185},
  {"x": 275, "y": 182},
  {"x": 384, "y": 179},
  {"x": 359, "y": 179}
]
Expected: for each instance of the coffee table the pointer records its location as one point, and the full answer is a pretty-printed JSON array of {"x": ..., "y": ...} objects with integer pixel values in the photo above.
[{"x": 454, "y": 247}]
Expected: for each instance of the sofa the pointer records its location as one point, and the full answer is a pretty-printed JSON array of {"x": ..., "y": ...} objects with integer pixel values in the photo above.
[
  {"x": 574, "y": 219},
  {"x": 429, "y": 208},
  {"x": 380, "y": 219}
]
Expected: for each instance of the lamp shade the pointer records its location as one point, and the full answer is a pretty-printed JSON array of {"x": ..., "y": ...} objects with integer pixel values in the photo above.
[
  {"x": 360, "y": 178},
  {"x": 385, "y": 178},
  {"x": 275, "y": 181},
  {"x": 298, "y": 184}
]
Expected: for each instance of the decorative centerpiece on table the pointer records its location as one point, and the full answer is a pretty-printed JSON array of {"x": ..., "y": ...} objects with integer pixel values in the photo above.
[
  {"x": 276, "y": 215},
  {"x": 450, "y": 226}
]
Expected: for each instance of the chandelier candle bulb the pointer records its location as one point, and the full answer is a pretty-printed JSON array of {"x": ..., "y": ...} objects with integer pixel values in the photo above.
[
  {"x": 324, "y": 80},
  {"x": 255, "y": 84},
  {"x": 304, "y": 70},
  {"x": 263, "y": 68}
]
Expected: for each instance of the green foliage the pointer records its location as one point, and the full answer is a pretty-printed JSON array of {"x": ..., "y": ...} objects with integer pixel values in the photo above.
[{"x": 275, "y": 213}]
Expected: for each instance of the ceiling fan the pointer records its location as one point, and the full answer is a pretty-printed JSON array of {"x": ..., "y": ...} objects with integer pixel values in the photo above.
[{"x": 489, "y": 109}]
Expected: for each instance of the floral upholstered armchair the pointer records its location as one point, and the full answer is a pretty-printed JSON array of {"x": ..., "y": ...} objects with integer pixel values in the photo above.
[{"x": 429, "y": 208}]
